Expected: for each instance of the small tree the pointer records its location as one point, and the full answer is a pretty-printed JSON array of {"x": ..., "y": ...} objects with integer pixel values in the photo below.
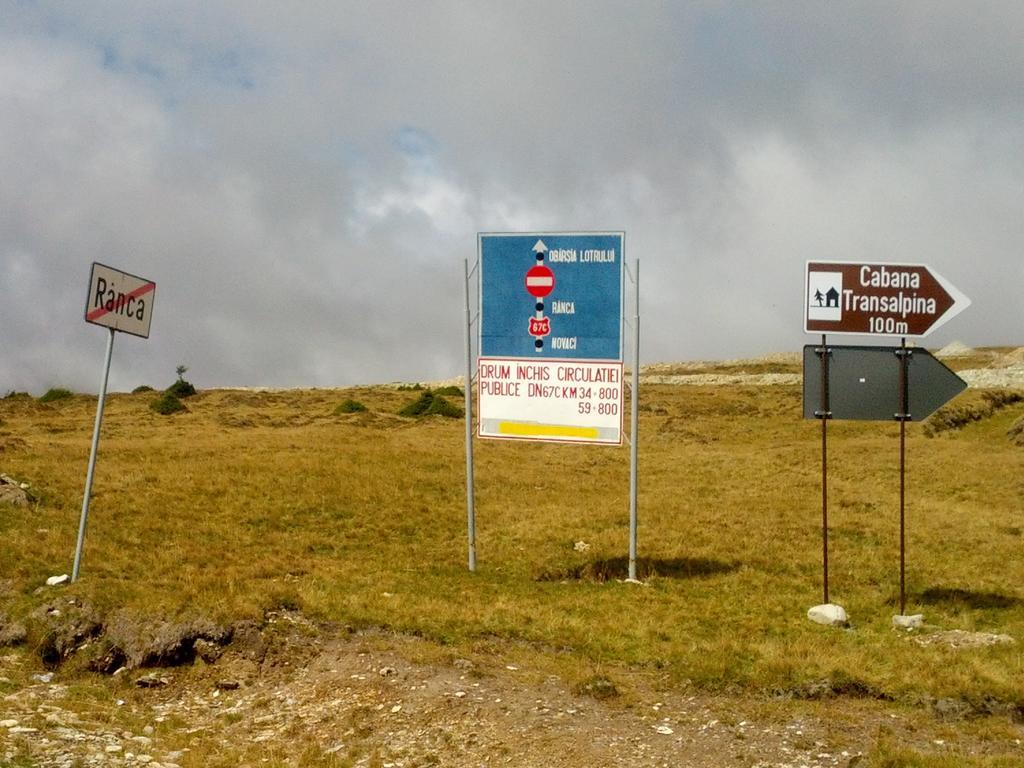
[{"x": 181, "y": 388}]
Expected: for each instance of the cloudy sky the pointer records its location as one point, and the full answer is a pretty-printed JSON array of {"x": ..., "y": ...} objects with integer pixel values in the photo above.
[{"x": 304, "y": 180}]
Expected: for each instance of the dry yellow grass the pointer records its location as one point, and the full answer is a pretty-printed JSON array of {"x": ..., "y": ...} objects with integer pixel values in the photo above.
[{"x": 254, "y": 500}]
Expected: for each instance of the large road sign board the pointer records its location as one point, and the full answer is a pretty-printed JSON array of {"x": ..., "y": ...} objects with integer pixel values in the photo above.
[
  {"x": 864, "y": 383},
  {"x": 550, "y": 365},
  {"x": 573, "y": 281},
  {"x": 120, "y": 300},
  {"x": 878, "y": 299}
]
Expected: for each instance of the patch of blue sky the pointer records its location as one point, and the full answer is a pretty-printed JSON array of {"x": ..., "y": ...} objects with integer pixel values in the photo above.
[
  {"x": 182, "y": 64},
  {"x": 228, "y": 67},
  {"x": 415, "y": 143},
  {"x": 116, "y": 62}
]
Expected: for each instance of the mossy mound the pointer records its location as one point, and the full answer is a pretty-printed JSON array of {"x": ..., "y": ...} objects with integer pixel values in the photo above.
[
  {"x": 181, "y": 388},
  {"x": 431, "y": 404},
  {"x": 55, "y": 394},
  {"x": 451, "y": 391},
  {"x": 350, "y": 406},
  {"x": 167, "y": 404}
]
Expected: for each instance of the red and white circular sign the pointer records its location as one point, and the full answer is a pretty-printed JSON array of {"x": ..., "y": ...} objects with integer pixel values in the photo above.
[{"x": 540, "y": 281}]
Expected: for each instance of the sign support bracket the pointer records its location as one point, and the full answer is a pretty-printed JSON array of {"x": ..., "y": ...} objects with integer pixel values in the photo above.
[{"x": 92, "y": 455}]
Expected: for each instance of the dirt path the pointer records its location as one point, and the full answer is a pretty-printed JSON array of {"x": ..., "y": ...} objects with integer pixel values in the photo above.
[{"x": 370, "y": 699}]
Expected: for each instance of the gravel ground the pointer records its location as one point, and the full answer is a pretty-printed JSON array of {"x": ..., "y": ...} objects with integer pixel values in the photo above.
[{"x": 369, "y": 699}]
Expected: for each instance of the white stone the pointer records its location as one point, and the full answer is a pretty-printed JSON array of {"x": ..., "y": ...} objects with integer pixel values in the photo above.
[
  {"x": 955, "y": 349},
  {"x": 914, "y": 621},
  {"x": 829, "y": 614},
  {"x": 53, "y": 581},
  {"x": 8, "y": 723}
]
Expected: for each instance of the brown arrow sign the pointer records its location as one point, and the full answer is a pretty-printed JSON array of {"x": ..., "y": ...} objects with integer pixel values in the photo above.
[{"x": 875, "y": 299}]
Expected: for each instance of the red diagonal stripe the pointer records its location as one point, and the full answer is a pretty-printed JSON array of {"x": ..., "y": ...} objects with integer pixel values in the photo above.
[{"x": 141, "y": 290}]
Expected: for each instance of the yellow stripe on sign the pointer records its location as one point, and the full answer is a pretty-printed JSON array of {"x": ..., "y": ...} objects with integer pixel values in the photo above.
[{"x": 546, "y": 430}]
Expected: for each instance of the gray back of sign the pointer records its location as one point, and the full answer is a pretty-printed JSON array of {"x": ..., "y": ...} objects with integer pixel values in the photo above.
[{"x": 864, "y": 383}]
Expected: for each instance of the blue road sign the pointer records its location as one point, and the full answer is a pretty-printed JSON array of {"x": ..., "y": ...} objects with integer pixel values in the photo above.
[{"x": 551, "y": 295}]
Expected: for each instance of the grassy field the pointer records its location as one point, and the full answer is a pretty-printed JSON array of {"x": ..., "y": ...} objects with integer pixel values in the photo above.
[{"x": 251, "y": 501}]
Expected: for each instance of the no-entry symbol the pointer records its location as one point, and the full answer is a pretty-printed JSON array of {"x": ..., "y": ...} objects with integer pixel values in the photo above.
[{"x": 540, "y": 281}]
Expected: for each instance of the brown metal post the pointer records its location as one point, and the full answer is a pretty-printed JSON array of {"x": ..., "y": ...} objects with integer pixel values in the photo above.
[
  {"x": 903, "y": 416},
  {"x": 824, "y": 414}
]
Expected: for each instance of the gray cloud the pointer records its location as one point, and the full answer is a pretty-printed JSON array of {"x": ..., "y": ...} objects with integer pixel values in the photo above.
[{"x": 303, "y": 185}]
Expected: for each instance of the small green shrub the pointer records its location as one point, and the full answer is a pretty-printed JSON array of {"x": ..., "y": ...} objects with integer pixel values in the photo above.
[
  {"x": 452, "y": 391},
  {"x": 410, "y": 388},
  {"x": 55, "y": 394},
  {"x": 181, "y": 388},
  {"x": 142, "y": 388},
  {"x": 12, "y": 395},
  {"x": 429, "y": 404},
  {"x": 167, "y": 404},
  {"x": 349, "y": 406}
]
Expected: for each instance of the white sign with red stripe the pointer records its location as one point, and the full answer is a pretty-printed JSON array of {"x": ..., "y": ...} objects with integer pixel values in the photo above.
[
  {"x": 566, "y": 401},
  {"x": 120, "y": 300}
]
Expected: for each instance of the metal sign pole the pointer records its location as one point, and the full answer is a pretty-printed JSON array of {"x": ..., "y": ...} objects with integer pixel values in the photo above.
[
  {"x": 634, "y": 421},
  {"x": 824, "y": 415},
  {"x": 92, "y": 457},
  {"x": 470, "y": 511},
  {"x": 903, "y": 415}
]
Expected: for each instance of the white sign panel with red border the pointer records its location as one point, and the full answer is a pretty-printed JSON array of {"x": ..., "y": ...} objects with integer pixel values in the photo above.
[
  {"x": 573, "y": 401},
  {"x": 120, "y": 300}
]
